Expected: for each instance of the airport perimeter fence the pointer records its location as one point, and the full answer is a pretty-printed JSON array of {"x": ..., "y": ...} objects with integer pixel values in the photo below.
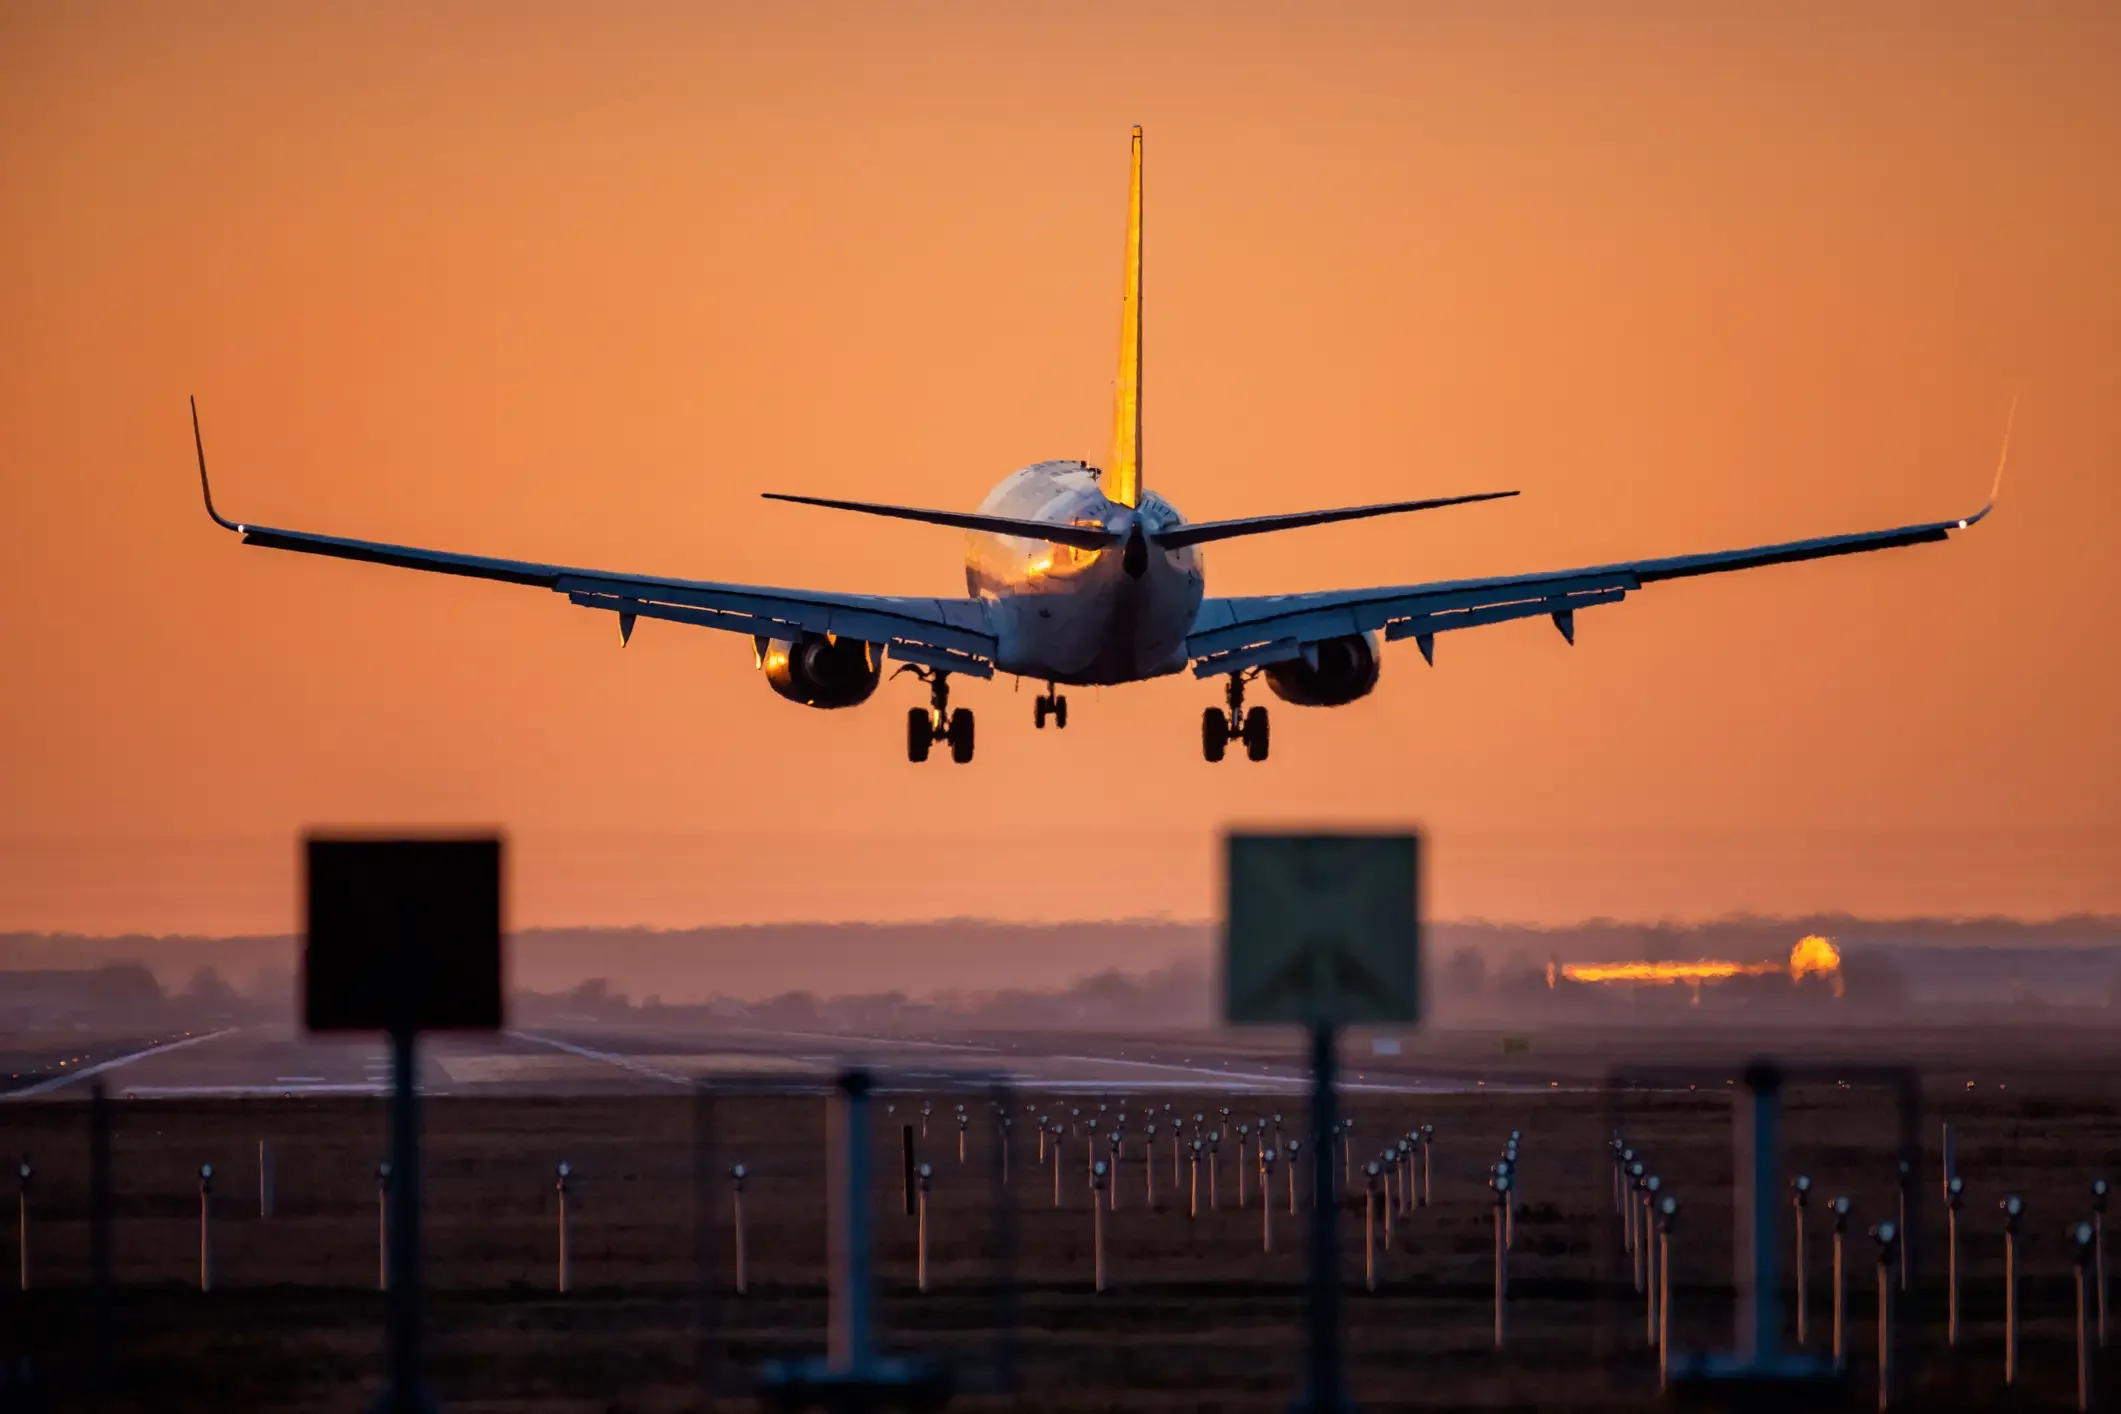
[{"x": 1168, "y": 1280}]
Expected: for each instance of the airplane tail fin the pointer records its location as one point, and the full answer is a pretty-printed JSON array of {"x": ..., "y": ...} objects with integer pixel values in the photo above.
[{"x": 1124, "y": 483}]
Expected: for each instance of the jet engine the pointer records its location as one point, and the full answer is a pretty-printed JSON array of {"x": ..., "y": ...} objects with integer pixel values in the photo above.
[
  {"x": 1345, "y": 669},
  {"x": 822, "y": 672}
]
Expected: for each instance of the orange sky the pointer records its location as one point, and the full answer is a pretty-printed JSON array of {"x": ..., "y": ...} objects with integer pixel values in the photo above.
[{"x": 570, "y": 285}]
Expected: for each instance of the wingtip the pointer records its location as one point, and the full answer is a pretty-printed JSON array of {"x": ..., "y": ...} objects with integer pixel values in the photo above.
[
  {"x": 205, "y": 488},
  {"x": 2002, "y": 458}
]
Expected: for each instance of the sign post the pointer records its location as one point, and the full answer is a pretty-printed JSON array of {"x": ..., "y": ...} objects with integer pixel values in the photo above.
[
  {"x": 404, "y": 936},
  {"x": 1322, "y": 931}
]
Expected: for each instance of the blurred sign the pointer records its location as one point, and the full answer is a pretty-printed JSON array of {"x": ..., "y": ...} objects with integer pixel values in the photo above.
[
  {"x": 403, "y": 934},
  {"x": 1322, "y": 929}
]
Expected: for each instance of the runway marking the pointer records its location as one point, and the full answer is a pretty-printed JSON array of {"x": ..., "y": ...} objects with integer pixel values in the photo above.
[
  {"x": 607, "y": 1057},
  {"x": 45, "y": 1087}
]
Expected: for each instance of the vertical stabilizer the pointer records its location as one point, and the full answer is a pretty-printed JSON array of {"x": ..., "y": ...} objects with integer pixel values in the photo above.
[{"x": 1124, "y": 483}]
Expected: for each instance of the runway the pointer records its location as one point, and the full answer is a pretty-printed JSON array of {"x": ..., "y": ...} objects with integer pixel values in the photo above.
[{"x": 280, "y": 1060}]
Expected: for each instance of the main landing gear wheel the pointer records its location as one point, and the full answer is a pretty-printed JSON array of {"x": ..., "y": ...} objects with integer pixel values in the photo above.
[
  {"x": 1048, "y": 704},
  {"x": 1218, "y": 728},
  {"x": 928, "y": 725}
]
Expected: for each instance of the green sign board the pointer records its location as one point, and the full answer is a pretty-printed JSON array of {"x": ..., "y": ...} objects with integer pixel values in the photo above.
[{"x": 1322, "y": 928}]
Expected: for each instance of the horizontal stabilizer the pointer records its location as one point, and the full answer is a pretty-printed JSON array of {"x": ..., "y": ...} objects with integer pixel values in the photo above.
[
  {"x": 1207, "y": 530},
  {"x": 1082, "y": 537}
]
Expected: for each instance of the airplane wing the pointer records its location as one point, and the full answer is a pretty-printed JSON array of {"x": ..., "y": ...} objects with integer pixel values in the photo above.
[
  {"x": 953, "y": 634},
  {"x": 1233, "y": 634}
]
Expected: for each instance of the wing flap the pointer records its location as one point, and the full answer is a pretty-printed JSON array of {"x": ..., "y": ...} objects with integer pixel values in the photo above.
[{"x": 1232, "y": 626}]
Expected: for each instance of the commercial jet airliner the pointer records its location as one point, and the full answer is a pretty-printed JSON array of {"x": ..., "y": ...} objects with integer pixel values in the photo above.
[{"x": 1079, "y": 575}]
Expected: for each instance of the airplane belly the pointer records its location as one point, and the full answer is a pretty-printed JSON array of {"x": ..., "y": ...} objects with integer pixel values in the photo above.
[{"x": 1100, "y": 629}]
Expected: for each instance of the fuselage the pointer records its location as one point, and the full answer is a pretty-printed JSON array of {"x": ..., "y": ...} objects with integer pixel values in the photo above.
[{"x": 1084, "y": 616}]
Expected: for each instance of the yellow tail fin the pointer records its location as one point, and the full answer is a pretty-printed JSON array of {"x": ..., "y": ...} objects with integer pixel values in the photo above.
[{"x": 1124, "y": 483}]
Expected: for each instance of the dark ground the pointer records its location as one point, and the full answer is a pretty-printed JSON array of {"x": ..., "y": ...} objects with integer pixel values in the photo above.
[{"x": 1199, "y": 1317}]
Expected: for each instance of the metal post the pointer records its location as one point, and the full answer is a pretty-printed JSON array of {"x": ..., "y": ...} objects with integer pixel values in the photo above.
[
  {"x": 1149, "y": 1168},
  {"x": 1193, "y": 1202},
  {"x": 102, "y": 1267},
  {"x": 1056, "y": 1166},
  {"x": 906, "y": 1165},
  {"x": 922, "y": 1177},
  {"x": 2086, "y": 1237},
  {"x": 1324, "y": 1385},
  {"x": 23, "y": 1171},
  {"x": 2013, "y": 1209},
  {"x": 1759, "y": 1317},
  {"x": 1244, "y": 1132},
  {"x": 1214, "y": 1149},
  {"x": 1119, "y": 1150},
  {"x": 1651, "y": 1310},
  {"x": 1800, "y": 1196},
  {"x": 1888, "y": 1239},
  {"x": 1502, "y": 1253},
  {"x": 405, "y": 1394},
  {"x": 1954, "y": 1196},
  {"x": 1668, "y": 1216},
  {"x": 268, "y": 1177},
  {"x": 1296, "y": 1148},
  {"x": 1625, "y": 1201},
  {"x": 1950, "y": 1164},
  {"x": 851, "y": 1342},
  {"x": 1384, "y": 1166},
  {"x": 1428, "y": 1137},
  {"x": 1266, "y": 1199},
  {"x": 736, "y": 1199},
  {"x": 2099, "y": 1254},
  {"x": 1369, "y": 1227},
  {"x": 1097, "y": 1220},
  {"x": 1638, "y": 1240},
  {"x": 383, "y": 1226},
  {"x": 206, "y": 1247},
  {"x": 561, "y": 1187},
  {"x": 1841, "y": 1226}
]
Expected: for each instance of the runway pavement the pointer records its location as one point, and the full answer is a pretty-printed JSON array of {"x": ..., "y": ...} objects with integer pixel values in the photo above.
[{"x": 575, "y": 1059}]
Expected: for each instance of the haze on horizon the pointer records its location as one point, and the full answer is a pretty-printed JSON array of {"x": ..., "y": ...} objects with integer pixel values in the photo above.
[{"x": 579, "y": 288}]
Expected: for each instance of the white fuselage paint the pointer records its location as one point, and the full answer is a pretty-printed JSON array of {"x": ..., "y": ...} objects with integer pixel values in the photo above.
[{"x": 1077, "y": 616}]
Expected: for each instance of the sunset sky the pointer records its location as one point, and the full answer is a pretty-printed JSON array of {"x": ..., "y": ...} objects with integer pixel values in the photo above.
[{"x": 576, "y": 283}]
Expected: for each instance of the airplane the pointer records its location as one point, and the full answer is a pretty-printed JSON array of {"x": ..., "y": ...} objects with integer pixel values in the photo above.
[{"x": 1078, "y": 576}]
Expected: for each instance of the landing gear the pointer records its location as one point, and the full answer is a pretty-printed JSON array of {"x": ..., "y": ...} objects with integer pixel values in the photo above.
[
  {"x": 928, "y": 725},
  {"x": 1050, "y": 705},
  {"x": 1218, "y": 728}
]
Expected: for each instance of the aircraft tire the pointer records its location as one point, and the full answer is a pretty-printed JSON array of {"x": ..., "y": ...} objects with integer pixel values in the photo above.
[
  {"x": 1038, "y": 714},
  {"x": 1256, "y": 734},
  {"x": 961, "y": 735},
  {"x": 1060, "y": 713},
  {"x": 1214, "y": 733},
  {"x": 919, "y": 734}
]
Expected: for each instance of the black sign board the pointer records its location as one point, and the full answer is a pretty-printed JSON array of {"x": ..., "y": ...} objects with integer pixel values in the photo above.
[{"x": 403, "y": 935}]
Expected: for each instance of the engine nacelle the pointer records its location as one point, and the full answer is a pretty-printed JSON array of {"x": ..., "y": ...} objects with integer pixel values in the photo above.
[
  {"x": 1347, "y": 669},
  {"x": 821, "y": 672}
]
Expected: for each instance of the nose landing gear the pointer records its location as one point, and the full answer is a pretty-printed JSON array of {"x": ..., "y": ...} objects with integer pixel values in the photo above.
[
  {"x": 928, "y": 725},
  {"x": 1218, "y": 728},
  {"x": 1050, "y": 705}
]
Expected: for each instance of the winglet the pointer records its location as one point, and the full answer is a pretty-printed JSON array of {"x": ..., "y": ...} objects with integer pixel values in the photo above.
[
  {"x": 199, "y": 444},
  {"x": 2001, "y": 457}
]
